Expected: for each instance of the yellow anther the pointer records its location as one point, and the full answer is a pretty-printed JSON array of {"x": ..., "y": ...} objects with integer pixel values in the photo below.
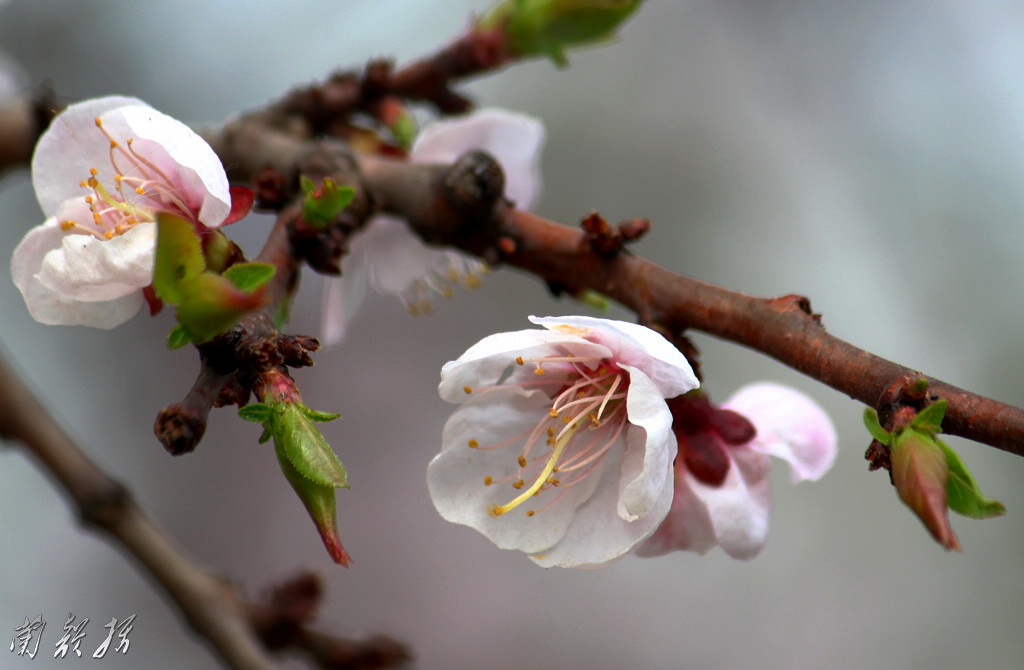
[
  {"x": 109, "y": 234},
  {"x": 140, "y": 190},
  {"x": 473, "y": 444},
  {"x": 472, "y": 282},
  {"x": 539, "y": 371},
  {"x": 83, "y": 184},
  {"x": 467, "y": 389},
  {"x": 67, "y": 225},
  {"x": 113, "y": 144},
  {"x": 566, "y": 419},
  {"x": 530, "y": 512},
  {"x": 518, "y": 484},
  {"x": 88, "y": 198},
  {"x": 96, "y": 218},
  {"x": 551, "y": 432},
  {"x": 519, "y": 360},
  {"x": 494, "y": 510},
  {"x": 99, "y": 122},
  {"x": 522, "y": 461},
  {"x": 554, "y": 481},
  {"x": 118, "y": 178},
  {"x": 93, "y": 171},
  {"x": 488, "y": 480},
  {"x": 553, "y": 413}
]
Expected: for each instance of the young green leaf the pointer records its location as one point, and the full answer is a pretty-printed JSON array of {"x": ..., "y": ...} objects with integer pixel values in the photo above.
[
  {"x": 248, "y": 277},
  {"x": 875, "y": 428},
  {"x": 178, "y": 337},
  {"x": 319, "y": 503},
  {"x": 256, "y": 412},
  {"x": 963, "y": 494},
  {"x": 929, "y": 419}
]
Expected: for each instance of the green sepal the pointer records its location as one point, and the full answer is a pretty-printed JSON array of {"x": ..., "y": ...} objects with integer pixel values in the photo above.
[
  {"x": 594, "y": 300},
  {"x": 265, "y": 436},
  {"x": 404, "y": 130},
  {"x": 178, "y": 337},
  {"x": 549, "y": 27},
  {"x": 320, "y": 504},
  {"x": 963, "y": 495},
  {"x": 322, "y": 204},
  {"x": 256, "y": 412},
  {"x": 318, "y": 416},
  {"x": 875, "y": 427},
  {"x": 306, "y": 449},
  {"x": 179, "y": 257},
  {"x": 211, "y": 304},
  {"x": 248, "y": 277},
  {"x": 929, "y": 420}
]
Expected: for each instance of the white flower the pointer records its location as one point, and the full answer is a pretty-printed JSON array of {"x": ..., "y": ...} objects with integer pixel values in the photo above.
[
  {"x": 562, "y": 446},
  {"x": 101, "y": 172},
  {"x": 392, "y": 259},
  {"x": 722, "y": 494}
]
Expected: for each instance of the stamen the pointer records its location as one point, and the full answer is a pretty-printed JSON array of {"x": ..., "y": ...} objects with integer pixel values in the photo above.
[{"x": 535, "y": 487}]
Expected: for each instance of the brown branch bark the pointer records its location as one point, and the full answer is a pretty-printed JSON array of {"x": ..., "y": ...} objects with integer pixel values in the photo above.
[
  {"x": 212, "y": 607},
  {"x": 783, "y": 328}
]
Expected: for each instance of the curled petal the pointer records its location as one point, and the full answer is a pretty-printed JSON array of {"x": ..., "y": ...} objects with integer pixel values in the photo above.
[
  {"x": 789, "y": 426},
  {"x": 651, "y": 449},
  {"x": 514, "y": 139},
  {"x": 89, "y": 269},
  {"x": 486, "y": 361},
  {"x": 342, "y": 298},
  {"x": 51, "y": 308},
  {"x": 634, "y": 345}
]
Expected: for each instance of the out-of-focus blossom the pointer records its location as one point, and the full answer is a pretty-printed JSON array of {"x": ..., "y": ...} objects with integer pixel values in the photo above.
[
  {"x": 387, "y": 256},
  {"x": 722, "y": 494}
]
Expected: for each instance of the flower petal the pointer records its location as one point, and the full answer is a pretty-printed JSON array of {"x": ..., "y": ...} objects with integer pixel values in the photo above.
[
  {"x": 598, "y": 535},
  {"x": 790, "y": 426},
  {"x": 633, "y": 345},
  {"x": 342, "y": 298},
  {"x": 456, "y": 476},
  {"x": 69, "y": 147},
  {"x": 190, "y": 163},
  {"x": 51, "y": 308},
  {"x": 515, "y": 140},
  {"x": 395, "y": 256},
  {"x": 740, "y": 507},
  {"x": 485, "y": 362},
  {"x": 650, "y": 452},
  {"x": 687, "y": 526},
  {"x": 89, "y": 269}
]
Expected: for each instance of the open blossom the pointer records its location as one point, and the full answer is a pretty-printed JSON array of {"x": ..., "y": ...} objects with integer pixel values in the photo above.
[
  {"x": 562, "y": 446},
  {"x": 101, "y": 172},
  {"x": 722, "y": 494},
  {"x": 388, "y": 256}
]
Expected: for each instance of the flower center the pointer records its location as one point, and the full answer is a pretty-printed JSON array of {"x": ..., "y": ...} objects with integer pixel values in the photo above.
[
  {"x": 587, "y": 415},
  {"x": 138, "y": 189},
  {"x": 418, "y": 296}
]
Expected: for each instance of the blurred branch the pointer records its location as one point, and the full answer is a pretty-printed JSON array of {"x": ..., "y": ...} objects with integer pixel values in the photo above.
[
  {"x": 212, "y": 606},
  {"x": 240, "y": 633}
]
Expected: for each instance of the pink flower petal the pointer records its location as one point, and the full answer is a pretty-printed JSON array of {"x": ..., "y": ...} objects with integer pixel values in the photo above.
[{"x": 789, "y": 426}]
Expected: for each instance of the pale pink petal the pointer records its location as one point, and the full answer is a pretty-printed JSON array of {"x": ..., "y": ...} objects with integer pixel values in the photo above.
[
  {"x": 687, "y": 527},
  {"x": 634, "y": 345},
  {"x": 189, "y": 161},
  {"x": 69, "y": 147},
  {"x": 515, "y": 140},
  {"x": 789, "y": 426},
  {"x": 395, "y": 256},
  {"x": 456, "y": 476},
  {"x": 51, "y": 308},
  {"x": 488, "y": 360},
  {"x": 341, "y": 300},
  {"x": 89, "y": 269},
  {"x": 598, "y": 536},
  {"x": 651, "y": 449}
]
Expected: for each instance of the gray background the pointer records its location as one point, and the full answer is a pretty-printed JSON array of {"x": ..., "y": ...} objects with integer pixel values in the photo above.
[{"x": 870, "y": 156}]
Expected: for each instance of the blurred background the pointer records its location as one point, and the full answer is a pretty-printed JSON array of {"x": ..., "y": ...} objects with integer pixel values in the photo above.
[{"x": 869, "y": 155}]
